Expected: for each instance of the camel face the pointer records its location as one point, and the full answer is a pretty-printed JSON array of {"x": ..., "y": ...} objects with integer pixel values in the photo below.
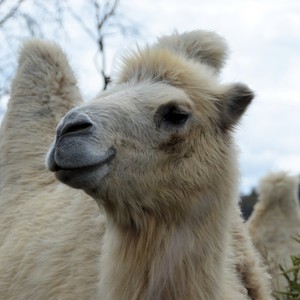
[
  {"x": 160, "y": 135},
  {"x": 150, "y": 137},
  {"x": 127, "y": 136}
]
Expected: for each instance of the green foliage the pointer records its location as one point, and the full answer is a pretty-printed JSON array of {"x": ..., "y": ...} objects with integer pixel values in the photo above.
[{"x": 292, "y": 276}]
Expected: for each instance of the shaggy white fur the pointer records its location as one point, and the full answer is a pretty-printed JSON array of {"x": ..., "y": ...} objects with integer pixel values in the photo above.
[
  {"x": 155, "y": 152},
  {"x": 275, "y": 221}
]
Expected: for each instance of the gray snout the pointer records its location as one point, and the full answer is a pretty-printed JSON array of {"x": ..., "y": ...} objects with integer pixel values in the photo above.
[
  {"x": 74, "y": 122},
  {"x": 78, "y": 148}
]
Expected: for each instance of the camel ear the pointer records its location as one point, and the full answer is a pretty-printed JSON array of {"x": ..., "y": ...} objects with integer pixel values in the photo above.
[
  {"x": 203, "y": 46},
  {"x": 233, "y": 105}
]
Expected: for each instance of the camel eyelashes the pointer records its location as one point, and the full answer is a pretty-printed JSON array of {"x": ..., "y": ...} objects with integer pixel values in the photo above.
[{"x": 172, "y": 115}]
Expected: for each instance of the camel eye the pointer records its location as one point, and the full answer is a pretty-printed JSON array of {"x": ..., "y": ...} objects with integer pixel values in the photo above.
[
  {"x": 175, "y": 116},
  {"x": 171, "y": 115}
]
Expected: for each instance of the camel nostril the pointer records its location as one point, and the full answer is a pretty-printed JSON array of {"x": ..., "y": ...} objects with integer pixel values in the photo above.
[
  {"x": 75, "y": 124},
  {"x": 75, "y": 127}
]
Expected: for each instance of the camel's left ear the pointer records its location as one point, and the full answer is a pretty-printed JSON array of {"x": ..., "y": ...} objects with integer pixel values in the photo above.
[
  {"x": 233, "y": 105},
  {"x": 203, "y": 46}
]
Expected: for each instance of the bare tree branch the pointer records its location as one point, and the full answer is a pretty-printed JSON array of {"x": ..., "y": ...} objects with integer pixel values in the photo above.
[
  {"x": 2, "y": 2},
  {"x": 46, "y": 19},
  {"x": 111, "y": 11},
  {"x": 108, "y": 13},
  {"x": 103, "y": 18},
  {"x": 12, "y": 11}
]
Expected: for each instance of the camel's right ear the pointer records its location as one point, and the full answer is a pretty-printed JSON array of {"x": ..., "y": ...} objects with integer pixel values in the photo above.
[
  {"x": 203, "y": 46},
  {"x": 233, "y": 104}
]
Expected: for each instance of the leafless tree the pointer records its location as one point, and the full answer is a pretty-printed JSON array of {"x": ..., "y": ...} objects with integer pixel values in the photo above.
[
  {"x": 107, "y": 22},
  {"x": 20, "y": 19}
]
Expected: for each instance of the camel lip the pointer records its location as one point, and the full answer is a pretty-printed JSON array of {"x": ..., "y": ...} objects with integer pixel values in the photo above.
[{"x": 107, "y": 158}]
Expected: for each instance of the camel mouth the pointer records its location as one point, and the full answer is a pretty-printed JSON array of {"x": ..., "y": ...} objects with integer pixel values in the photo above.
[
  {"x": 78, "y": 166},
  {"x": 81, "y": 174}
]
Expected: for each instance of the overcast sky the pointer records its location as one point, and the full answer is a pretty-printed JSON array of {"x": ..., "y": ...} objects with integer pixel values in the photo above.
[{"x": 264, "y": 38}]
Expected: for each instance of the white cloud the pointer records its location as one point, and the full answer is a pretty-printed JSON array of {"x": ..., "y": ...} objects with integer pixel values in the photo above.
[{"x": 269, "y": 137}]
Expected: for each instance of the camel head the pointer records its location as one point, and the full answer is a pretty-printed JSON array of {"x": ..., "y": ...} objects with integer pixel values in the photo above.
[{"x": 160, "y": 136}]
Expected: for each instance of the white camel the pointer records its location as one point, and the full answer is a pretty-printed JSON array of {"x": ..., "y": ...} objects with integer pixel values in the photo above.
[
  {"x": 157, "y": 217},
  {"x": 275, "y": 223}
]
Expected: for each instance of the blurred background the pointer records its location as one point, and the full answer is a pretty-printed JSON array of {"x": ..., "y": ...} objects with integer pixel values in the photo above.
[{"x": 264, "y": 41}]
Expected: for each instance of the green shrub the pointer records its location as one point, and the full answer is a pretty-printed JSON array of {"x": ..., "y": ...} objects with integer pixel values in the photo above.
[{"x": 293, "y": 279}]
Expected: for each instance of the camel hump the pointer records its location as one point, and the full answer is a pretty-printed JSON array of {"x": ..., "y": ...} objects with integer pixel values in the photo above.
[
  {"x": 278, "y": 187},
  {"x": 43, "y": 90}
]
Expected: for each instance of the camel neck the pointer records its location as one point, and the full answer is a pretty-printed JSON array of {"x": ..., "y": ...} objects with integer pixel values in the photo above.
[{"x": 163, "y": 261}]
